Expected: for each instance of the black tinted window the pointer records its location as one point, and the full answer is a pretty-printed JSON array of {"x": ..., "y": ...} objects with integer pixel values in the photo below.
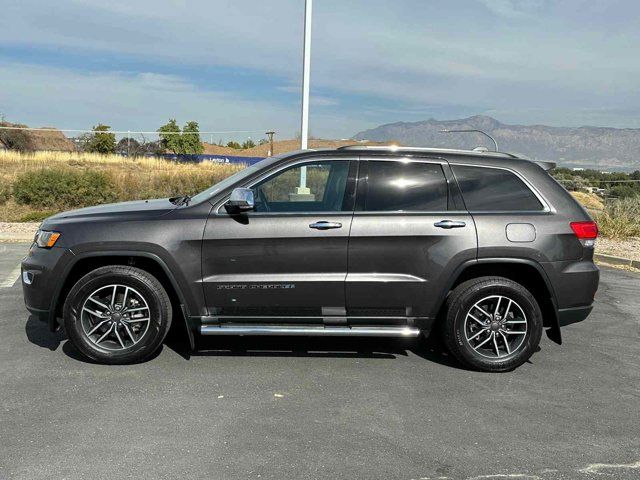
[
  {"x": 406, "y": 186},
  {"x": 493, "y": 189}
]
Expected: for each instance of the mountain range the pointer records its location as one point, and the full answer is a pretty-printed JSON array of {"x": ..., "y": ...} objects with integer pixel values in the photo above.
[{"x": 601, "y": 148}]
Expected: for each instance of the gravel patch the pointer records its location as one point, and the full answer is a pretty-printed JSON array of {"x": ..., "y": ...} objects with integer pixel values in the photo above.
[
  {"x": 18, "y": 232},
  {"x": 627, "y": 248}
]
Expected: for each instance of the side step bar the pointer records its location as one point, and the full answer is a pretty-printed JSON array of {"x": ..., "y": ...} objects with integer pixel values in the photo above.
[{"x": 311, "y": 331}]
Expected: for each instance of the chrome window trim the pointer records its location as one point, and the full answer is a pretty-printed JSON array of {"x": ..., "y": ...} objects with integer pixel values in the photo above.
[
  {"x": 546, "y": 207},
  {"x": 315, "y": 159}
]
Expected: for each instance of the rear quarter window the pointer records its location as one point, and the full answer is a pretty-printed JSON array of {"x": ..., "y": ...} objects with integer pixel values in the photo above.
[{"x": 494, "y": 189}]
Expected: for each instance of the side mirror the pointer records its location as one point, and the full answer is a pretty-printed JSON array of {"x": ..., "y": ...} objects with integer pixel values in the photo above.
[{"x": 241, "y": 200}]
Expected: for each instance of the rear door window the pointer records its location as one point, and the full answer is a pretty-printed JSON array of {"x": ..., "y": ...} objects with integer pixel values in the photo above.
[
  {"x": 488, "y": 189},
  {"x": 405, "y": 186}
]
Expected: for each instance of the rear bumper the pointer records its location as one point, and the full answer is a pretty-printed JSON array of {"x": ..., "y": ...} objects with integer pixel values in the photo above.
[
  {"x": 567, "y": 316},
  {"x": 574, "y": 284}
]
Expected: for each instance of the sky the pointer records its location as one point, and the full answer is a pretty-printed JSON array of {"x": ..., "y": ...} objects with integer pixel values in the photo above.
[{"x": 237, "y": 64}]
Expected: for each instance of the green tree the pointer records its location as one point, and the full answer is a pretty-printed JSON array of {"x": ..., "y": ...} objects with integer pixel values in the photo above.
[
  {"x": 191, "y": 143},
  {"x": 235, "y": 145},
  {"x": 170, "y": 136},
  {"x": 101, "y": 141},
  {"x": 185, "y": 141}
]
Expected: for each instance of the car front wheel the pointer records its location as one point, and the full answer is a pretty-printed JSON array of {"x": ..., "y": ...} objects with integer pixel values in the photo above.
[{"x": 117, "y": 314}]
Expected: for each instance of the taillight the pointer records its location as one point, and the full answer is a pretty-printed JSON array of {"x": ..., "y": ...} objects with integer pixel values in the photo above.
[{"x": 587, "y": 232}]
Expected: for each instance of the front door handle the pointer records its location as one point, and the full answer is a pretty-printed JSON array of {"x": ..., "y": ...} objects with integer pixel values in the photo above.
[
  {"x": 449, "y": 224},
  {"x": 322, "y": 225}
]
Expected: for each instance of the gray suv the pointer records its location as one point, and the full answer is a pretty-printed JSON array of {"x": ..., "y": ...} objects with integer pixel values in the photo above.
[{"x": 484, "y": 247}]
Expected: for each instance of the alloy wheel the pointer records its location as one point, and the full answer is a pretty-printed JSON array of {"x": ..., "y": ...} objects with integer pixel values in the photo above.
[
  {"x": 495, "y": 327},
  {"x": 115, "y": 317}
]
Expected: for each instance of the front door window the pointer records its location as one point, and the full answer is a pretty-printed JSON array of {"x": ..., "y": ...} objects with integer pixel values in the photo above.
[{"x": 309, "y": 187}]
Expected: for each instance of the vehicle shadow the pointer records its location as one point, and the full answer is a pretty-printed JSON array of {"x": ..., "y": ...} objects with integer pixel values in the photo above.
[
  {"x": 325, "y": 347},
  {"x": 39, "y": 334},
  {"x": 430, "y": 348}
]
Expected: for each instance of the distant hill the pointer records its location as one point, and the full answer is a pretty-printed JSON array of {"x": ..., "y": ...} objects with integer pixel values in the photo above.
[
  {"x": 48, "y": 138},
  {"x": 589, "y": 147}
]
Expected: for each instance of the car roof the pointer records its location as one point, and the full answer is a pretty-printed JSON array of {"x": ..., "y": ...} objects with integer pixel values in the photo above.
[
  {"x": 482, "y": 156},
  {"x": 400, "y": 149}
]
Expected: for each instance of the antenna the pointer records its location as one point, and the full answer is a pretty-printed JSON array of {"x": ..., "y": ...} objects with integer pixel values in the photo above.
[{"x": 473, "y": 130}]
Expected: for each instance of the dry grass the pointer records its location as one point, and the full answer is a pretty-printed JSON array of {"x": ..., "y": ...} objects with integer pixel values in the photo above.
[
  {"x": 617, "y": 219},
  {"x": 132, "y": 178},
  {"x": 620, "y": 218},
  {"x": 590, "y": 201}
]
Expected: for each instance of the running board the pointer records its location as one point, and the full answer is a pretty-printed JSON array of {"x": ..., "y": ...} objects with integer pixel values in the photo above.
[{"x": 311, "y": 331}]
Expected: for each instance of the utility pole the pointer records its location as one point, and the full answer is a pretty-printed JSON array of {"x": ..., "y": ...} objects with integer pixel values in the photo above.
[
  {"x": 306, "y": 71},
  {"x": 270, "y": 134}
]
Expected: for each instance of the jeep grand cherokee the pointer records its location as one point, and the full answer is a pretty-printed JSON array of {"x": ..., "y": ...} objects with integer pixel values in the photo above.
[{"x": 357, "y": 241}]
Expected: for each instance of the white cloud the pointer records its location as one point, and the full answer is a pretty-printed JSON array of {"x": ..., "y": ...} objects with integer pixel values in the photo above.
[
  {"x": 407, "y": 55},
  {"x": 128, "y": 101}
]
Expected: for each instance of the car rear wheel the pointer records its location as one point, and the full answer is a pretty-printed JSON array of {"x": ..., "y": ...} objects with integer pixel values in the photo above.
[
  {"x": 492, "y": 324},
  {"x": 117, "y": 314}
]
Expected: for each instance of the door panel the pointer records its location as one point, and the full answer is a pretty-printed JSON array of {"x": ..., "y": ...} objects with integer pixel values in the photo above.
[
  {"x": 290, "y": 256},
  {"x": 275, "y": 261},
  {"x": 401, "y": 258},
  {"x": 403, "y": 261}
]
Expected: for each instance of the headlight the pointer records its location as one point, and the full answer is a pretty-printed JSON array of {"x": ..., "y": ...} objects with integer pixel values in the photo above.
[{"x": 46, "y": 239}]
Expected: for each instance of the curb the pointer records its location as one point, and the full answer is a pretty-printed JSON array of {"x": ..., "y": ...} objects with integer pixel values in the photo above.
[{"x": 613, "y": 260}]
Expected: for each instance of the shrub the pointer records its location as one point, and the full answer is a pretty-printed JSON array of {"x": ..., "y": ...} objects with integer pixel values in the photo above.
[
  {"x": 620, "y": 218},
  {"x": 5, "y": 192},
  {"x": 36, "y": 216},
  {"x": 63, "y": 188}
]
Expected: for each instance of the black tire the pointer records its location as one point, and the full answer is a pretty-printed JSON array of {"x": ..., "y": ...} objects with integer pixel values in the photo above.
[
  {"x": 143, "y": 284},
  {"x": 463, "y": 300}
]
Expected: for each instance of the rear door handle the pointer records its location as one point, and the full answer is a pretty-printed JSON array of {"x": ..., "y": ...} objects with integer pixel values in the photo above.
[
  {"x": 449, "y": 224},
  {"x": 322, "y": 225}
]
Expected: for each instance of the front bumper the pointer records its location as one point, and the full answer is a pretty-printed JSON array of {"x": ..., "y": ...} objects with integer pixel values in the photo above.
[{"x": 44, "y": 271}]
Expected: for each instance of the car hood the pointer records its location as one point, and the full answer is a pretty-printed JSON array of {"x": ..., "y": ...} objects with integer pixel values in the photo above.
[{"x": 135, "y": 209}]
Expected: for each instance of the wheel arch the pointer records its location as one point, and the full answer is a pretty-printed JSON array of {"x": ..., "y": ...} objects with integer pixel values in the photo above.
[
  {"x": 150, "y": 262},
  {"x": 526, "y": 272}
]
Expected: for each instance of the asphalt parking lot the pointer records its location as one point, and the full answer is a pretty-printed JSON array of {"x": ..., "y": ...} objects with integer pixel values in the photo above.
[{"x": 289, "y": 408}]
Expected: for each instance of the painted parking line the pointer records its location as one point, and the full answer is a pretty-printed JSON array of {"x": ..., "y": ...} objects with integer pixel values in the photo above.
[{"x": 11, "y": 279}]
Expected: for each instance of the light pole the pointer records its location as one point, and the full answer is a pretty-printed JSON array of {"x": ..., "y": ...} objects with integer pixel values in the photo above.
[
  {"x": 306, "y": 71},
  {"x": 473, "y": 130}
]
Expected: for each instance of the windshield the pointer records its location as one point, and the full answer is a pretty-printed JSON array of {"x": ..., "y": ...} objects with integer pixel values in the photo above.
[{"x": 236, "y": 177}]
